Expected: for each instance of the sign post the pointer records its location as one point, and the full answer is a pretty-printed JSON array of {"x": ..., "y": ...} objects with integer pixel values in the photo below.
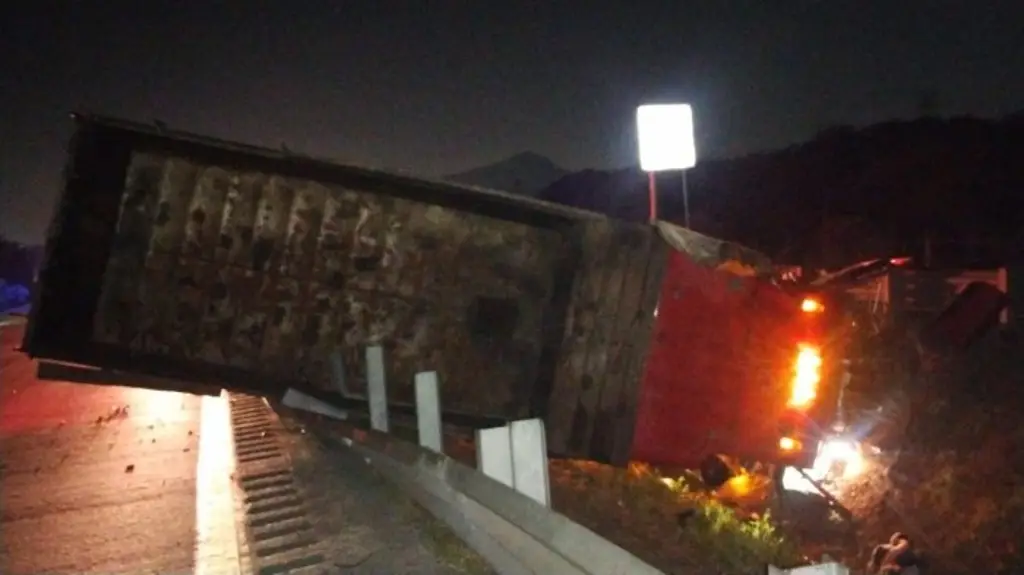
[{"x": 665, "y": 138}]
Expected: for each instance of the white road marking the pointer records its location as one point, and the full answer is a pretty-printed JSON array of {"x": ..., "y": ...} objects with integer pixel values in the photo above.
[
  {"x": 11, "y": 320},
  {"x": 216, "y": 546}
]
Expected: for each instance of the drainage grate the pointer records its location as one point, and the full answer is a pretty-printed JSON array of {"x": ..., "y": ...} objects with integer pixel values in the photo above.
[{"x": 280, "y": 537}]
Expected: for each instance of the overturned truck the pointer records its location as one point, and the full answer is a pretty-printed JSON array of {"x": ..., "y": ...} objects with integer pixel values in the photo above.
[{"x": 199, "y": 264}]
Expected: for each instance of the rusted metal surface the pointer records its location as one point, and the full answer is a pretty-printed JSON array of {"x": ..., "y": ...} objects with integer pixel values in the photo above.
[
  {"x": 621, "y": 364},
  {"x": 271, "y": 274},
  {"x": 607, "y": 335}
]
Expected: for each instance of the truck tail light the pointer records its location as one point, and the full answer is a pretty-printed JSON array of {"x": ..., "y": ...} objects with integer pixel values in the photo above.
[
  {"x": 789, "y": 444},
  {"x": 811, "y": 305},
  {"x": 806, "y": 376}
]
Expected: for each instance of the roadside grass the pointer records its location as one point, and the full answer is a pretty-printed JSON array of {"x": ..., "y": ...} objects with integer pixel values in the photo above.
[{"x": 671, "y": 523}]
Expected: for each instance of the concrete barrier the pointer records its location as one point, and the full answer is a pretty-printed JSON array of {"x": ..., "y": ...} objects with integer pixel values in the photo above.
[{"x": 512, "y": 531}]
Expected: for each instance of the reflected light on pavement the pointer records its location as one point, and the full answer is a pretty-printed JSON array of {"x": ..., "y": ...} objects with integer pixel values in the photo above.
[{"x": 216, "y": 548}]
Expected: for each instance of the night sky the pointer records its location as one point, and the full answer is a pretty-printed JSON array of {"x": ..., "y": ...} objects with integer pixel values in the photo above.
[{"x": 434, "y": 87}]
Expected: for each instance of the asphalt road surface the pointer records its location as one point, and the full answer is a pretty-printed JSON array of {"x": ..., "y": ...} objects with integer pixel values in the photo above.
[
  {"x": 97, "y": 479},
  {"x": 117, "y": 480}
]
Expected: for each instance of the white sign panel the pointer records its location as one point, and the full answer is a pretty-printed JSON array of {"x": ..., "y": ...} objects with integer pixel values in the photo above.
[{"x": 665, "y": 135}]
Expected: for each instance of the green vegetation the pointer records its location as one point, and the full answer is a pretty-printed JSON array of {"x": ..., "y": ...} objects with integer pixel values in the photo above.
[
  {"x": 672, "y": 524},
  {"x": 736, "y": 545}
]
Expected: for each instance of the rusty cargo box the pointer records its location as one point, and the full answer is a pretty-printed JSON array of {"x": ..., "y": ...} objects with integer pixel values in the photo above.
[
  {"x": 717, "y": 367},
  {"x": 189, "y": 259}
]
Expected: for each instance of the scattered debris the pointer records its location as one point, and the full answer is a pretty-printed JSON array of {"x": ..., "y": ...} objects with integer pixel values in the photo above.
[{"x": 119, "y": 412}]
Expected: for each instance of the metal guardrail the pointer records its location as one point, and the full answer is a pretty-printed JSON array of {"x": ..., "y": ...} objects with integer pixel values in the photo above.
[
  {"x": 511, "y": 531},
  {"x": 501, "y": 510}
]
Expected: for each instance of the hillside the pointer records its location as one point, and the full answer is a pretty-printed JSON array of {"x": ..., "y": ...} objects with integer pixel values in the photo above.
[
  {"x": 848, "y": 193},
  {"x": 526, "y": 173}
]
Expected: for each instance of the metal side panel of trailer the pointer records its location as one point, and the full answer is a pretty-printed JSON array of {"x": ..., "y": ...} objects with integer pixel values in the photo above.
[{"x": 181, "y": 258}]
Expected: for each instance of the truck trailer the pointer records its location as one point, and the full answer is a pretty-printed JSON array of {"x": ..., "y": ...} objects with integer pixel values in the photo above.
[{"x": 178, "y": 261}]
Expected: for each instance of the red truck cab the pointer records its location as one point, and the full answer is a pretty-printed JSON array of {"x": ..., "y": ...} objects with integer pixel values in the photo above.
[{"x": 736, "y": 368}]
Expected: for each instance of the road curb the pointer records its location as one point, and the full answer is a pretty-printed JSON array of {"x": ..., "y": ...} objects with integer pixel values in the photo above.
[{"x": 513, "y": 533}]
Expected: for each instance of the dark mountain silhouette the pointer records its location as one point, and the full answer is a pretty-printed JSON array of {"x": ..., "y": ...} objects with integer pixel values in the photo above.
[
  {"x": 526, "y": 173},
  {"x": 956, "y": 185}
]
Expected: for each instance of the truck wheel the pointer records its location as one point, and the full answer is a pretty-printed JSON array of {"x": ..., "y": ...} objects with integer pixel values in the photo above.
[{"x": 714, "y": 472}]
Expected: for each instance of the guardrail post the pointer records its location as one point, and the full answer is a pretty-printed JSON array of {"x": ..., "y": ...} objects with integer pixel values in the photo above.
[
  {"x": 428, "y": 411},
  {"x": 530, "y": 460},
  {"x": 295, "y": 399},
  {"x": 494, "y": 454},
  {"x": 376, "y": 388},
  {"x": 516, "y": 455}
]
